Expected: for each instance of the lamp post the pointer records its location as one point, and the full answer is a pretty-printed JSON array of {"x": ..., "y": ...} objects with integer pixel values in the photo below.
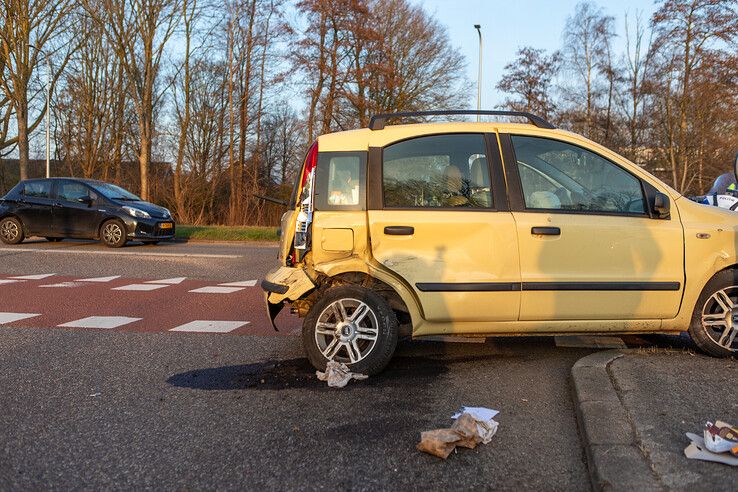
[
  {"x": 479, "y": 78},
  {"x": 48, "y": 110}
]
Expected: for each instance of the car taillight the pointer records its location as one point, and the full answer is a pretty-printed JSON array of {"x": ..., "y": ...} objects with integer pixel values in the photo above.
[{"x": 305, "y": 214}]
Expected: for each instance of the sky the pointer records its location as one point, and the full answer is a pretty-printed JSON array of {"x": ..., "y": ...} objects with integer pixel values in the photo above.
[{"x": 511, "y": 24}]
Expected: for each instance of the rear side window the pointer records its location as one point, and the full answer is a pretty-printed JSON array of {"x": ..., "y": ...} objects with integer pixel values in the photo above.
[
  {"x": 341, "y": 181},
  {"x": 37, "y": 189},
  {"x": 438, "y": 171},
  {"x": 72, "y": 192}
]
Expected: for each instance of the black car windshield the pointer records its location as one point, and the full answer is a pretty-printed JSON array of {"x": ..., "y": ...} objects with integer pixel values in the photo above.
[{"x": 115, "y": 192}]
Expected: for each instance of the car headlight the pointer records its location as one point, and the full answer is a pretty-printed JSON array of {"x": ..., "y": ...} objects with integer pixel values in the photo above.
[
  {"x": 167, "y": 213},
  {"x": 135, "y": 212}
]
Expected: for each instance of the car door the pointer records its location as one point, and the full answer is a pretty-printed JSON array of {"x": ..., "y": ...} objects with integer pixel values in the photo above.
[
  {"x": 443, "y": 225},
  {"x": 35, "y": 207},
  {"x": 75, "y": 209},
  {"x": 591, "y": 246}
]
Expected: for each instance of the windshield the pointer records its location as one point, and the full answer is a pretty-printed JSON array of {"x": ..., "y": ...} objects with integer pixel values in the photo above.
[{"x": 115, "y": 192}]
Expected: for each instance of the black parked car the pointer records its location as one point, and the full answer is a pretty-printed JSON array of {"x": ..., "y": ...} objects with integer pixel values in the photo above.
[{"x": 59, "y": 208}]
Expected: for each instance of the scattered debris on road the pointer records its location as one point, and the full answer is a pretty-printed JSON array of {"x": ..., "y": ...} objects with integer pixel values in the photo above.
[
  {"x": 337, "y": 374},
  {"x": 472, "y": 426},
  {"x": 719, "y": 444}
]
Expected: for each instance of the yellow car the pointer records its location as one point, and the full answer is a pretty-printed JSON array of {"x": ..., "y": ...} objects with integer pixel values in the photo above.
[{"x": 484, "y": 229}]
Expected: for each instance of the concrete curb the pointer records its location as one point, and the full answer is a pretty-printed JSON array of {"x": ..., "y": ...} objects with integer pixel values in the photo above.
[{"x": 614, "y": 458}]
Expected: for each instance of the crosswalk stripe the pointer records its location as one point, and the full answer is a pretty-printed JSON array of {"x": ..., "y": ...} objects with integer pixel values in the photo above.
[
  {"x": 63, "y": 284},
  {"x": 217, "y": 290},
  {"x": 9, "y": 281},
  {"x": 168, "y": 281},
  {"x": 140, "y": 287},
  {"x": 106, "y": 322},
  {"x": 33, "y": 277},
  {"x": 13, "y": 317},
  {"x": 98, "y": 279},
  {"x": 203, "y": 326},
  {"x": 244, "y": 283}
]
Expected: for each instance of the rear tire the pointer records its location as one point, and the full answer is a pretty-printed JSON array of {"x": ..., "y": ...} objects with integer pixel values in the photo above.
[
  {"x": 113, "y": 234},
  {"x": 11, "y": 231},
  {"x": 353, "y": 325},
  {"x": 714, "y": 326}
]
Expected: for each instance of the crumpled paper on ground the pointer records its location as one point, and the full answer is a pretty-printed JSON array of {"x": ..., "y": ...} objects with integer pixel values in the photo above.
[
  {"x": 466, "y": 432},
  {"x": 338, "y": 374},
  {"x": 716, "y": 445}
]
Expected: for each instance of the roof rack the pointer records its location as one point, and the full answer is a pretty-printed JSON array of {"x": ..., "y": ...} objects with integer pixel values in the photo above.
[{"x": 377, "y": 121}]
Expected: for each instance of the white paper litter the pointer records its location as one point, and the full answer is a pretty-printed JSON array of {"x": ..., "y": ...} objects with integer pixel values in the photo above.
[
  {"x": 698, "y": 451},
  {"x": 337, "y": 374},
  {"x": 486, "y": 426}
]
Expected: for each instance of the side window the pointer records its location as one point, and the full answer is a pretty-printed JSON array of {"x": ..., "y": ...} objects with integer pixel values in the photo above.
[
  {"x": 437, "y": 171},
  {"x": 341, "y": 181},
  {"x": 37, "y": 189},
  {"x": 560, "y": 176},
  {"x": 72, "y": 192}
]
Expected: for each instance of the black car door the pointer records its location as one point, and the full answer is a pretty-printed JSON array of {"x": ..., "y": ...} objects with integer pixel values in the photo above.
[
  {"x": 75, "y": 209},
  {"x": 35, "y": 207}
]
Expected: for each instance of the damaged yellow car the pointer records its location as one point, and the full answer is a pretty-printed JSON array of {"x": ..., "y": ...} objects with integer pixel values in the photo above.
[{"x": 483, "y": 229}]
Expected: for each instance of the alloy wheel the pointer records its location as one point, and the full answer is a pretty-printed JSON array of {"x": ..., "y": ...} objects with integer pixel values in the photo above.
[
  {"x": 720, "y": 318},
  {"x": 9, "y": 230},
  {"x": 112, "y": 233},
  {"x": 347, "y": 331}
]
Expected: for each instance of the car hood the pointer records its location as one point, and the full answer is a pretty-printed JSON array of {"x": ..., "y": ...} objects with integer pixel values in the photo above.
[{"x": 154, "y": 211}]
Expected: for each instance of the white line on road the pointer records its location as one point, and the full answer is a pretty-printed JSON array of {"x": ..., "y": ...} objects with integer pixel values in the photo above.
[
  {"x": 140, "y": 287},
  {"x": 10, "y": 281},
  {"x": 13, "y": 317},
  {"x": 119, "y": 253},
  {"x": 217, "y": 290},
  {"x": 34, "y": 277},
  {"x": 202, "y": 326},
  {"x": 106, "y": 322},
  {"x": 168, "y": 281},
  {"x": 63, "y": 284},
  {"x": 98, "y": 279},
  {"x": 245, "y": 283}
]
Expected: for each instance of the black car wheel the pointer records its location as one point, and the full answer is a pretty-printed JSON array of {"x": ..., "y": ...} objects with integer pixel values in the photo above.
[
  {"x": 11, "y": 231},
  {"x": 113, "y": 234},
  {"x": 353, "y": 325}
]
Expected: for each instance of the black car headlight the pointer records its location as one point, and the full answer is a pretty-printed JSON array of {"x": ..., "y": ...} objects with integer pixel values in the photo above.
[{"x": 135, "y": 212}]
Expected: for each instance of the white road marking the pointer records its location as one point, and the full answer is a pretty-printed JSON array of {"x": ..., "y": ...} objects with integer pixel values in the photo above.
[
  {"x": 34, "y": 277},
  {"x": 245, "y": 283},
  {"x": 106, "y": 322},
  {"x": 217, "y": 290},
  {"x": 118, "y": 253},
  {"x": 13, "y": 317},
  {"x": 202, "y": 326},
  {"x": 63, "y": 284},
  {"x": 168, "y": 281},
  {"x": 10, "y": 281},
  {"x": 98, "y": 279},
  {"x": 143, "y": 287}
]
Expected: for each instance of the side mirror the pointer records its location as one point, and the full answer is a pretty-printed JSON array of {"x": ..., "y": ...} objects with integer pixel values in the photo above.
[
  {"x": 661, "y": 205},
  {"x": 735, "y": 167},
  {"x": 86, "y": 200}
]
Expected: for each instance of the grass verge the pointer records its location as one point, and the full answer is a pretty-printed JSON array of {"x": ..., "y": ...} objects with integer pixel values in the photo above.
[{"x": 227, "y": 233}]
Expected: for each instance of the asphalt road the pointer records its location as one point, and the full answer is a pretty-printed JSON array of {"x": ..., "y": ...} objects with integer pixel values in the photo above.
[{"x": 140, "y": 406}]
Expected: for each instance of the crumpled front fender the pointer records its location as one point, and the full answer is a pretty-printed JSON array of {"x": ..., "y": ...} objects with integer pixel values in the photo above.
[{"x": 282, "y": 284}]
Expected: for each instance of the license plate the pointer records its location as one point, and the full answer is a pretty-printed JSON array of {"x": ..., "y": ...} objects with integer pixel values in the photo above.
[{"x": 166, "y": 225}]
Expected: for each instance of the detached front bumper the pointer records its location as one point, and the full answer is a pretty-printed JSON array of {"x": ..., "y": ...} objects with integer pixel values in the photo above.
[{"x": 284, "y": 284}]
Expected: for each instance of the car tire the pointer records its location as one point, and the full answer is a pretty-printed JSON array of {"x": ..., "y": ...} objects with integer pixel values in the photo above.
[
  {"x": 113, "y": 234},
  {"x": 53, "y": 239},
  {"x": 353, "y": 325},
  {"x": 714, "y": 326},
  {"x": 11, "y": 231}
]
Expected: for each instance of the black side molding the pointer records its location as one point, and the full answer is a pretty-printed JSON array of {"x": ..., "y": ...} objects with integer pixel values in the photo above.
[
  {"x": 468, "y": 287},
  {"x": 545, "y": 286},
  {"x": 272, "y": 287}
]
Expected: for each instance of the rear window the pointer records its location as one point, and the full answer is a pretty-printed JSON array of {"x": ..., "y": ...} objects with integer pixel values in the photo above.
[
  {"x": 341, "y": 181},
  {"x": 37, "y": 189}
]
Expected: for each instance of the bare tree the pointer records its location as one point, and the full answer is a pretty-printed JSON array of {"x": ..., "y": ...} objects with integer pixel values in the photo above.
[{"x": 529, "y": 79}]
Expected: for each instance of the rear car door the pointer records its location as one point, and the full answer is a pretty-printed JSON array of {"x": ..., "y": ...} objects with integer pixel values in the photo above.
[
  {"x": 35, "y": 207},
  {"x": 590, "y": 245},
  {"x": 444, "y": 226},
  {"x": 75, "y": 209}
]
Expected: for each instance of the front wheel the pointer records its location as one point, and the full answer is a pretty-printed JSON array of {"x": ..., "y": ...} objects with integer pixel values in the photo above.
[
  {"x": 714, "y": 323},
  {"x": 352, "y": 325},
  {"x": 113, "y": 234},
  {"x": 11, "y": 231}
]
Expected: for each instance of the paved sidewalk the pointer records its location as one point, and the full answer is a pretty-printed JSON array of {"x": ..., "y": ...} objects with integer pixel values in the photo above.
[{"x": 634, "y": 407}]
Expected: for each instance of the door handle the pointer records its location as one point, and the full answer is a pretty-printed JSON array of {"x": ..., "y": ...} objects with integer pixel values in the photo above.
[
  {"x": 399, "y": 230},
  {"x": 545, "y": 231}
]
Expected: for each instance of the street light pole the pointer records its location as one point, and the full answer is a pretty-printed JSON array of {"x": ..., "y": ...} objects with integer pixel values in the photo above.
[
  {"x": 48, "y": 110},
  {"x": 479, "y": 78}
]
